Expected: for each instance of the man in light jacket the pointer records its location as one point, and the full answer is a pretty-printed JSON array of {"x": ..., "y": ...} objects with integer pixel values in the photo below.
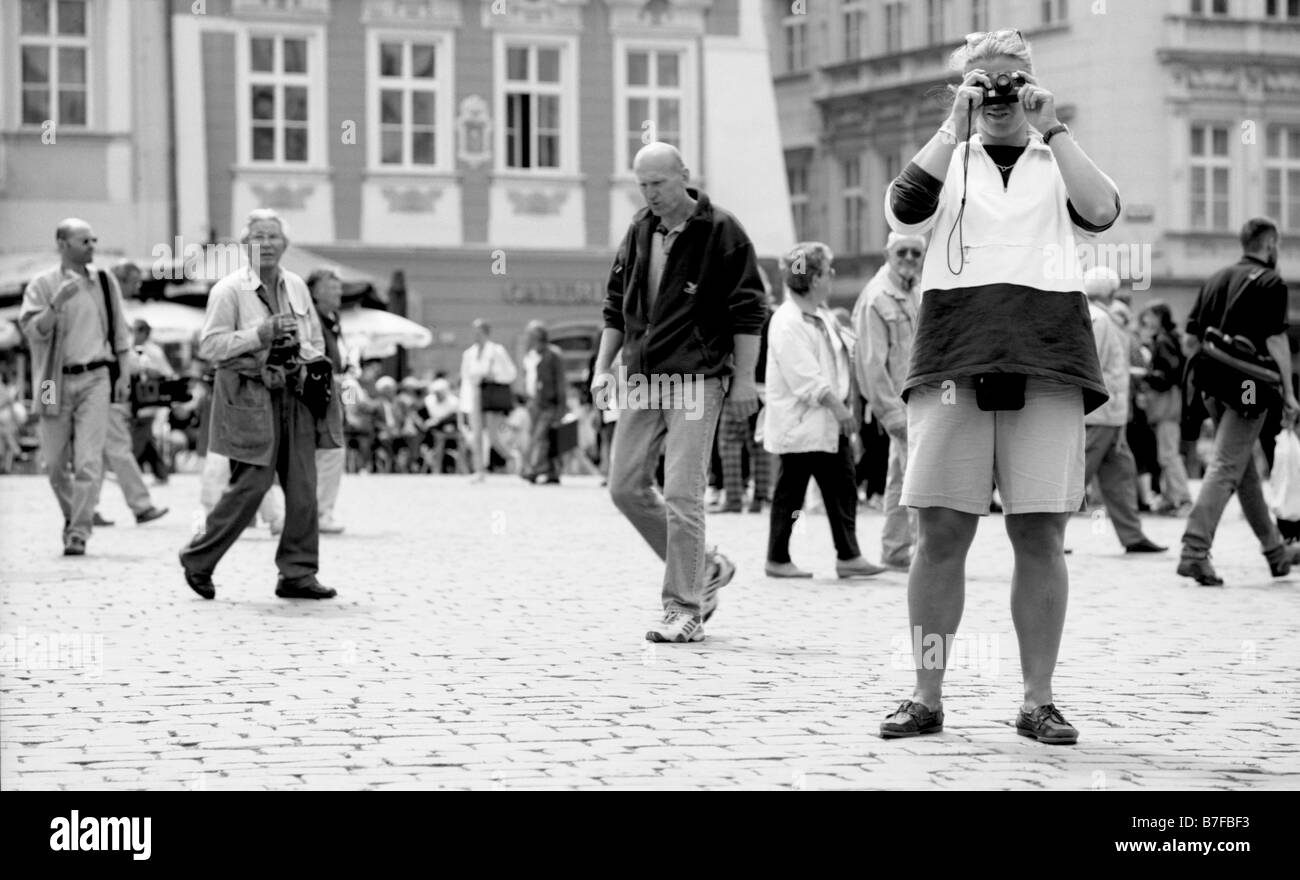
[
  {"x": 808, "y": 419},
  {"x": 262, "y": 332},
  {"x": 884, "y": 320},
  {"x": 1108, "y": 455},
  {"x": 72, "y": 317}
]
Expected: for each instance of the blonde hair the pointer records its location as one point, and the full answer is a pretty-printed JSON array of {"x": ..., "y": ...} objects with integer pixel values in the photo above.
[{"x": 992, "y": 44}]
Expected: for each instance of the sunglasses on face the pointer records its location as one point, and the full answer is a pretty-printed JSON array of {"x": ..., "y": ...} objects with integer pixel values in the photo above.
[{"x": 911, "y": 253}]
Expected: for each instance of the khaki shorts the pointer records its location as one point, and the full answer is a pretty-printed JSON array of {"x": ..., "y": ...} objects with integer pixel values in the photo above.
[{"x": 957, "y": 452}]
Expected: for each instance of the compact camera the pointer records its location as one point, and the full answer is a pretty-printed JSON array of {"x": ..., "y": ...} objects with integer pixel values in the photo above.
[{"x": 1005, "y": 87}]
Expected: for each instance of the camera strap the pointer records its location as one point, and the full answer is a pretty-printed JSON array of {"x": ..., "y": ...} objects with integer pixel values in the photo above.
[{"x": 957, "y": 223}]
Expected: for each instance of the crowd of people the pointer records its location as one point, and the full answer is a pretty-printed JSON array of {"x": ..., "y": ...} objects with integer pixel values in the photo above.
[{"x": 967, "y": 379}]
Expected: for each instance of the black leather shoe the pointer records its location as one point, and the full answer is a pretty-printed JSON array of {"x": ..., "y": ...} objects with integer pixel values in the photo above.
[
  {"x": 309, "y": 590},
  {"x": 1283, "y": 559},
  {"x": 1046, "y": 725},
  {"x": 150, "y": 515},
  {"x": 197, "y": 581},
  {"x": 1201, "y": 571},
  {"x": 100, "y": 521},
  {"x": 912, "y": 719},
  {"x": 1146, "y": 545},
  {"x": 74, "y": 546}
]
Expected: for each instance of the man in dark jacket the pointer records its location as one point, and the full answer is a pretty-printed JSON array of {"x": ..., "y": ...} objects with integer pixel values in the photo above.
[
  {"x": 1245, "y": 299},
  {"x": 547, "y": 389},
  {"x": 684, "y": 303}
]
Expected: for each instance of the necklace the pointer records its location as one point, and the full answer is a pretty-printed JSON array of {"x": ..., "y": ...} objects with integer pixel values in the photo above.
[{"x": 1005, "y": 169}]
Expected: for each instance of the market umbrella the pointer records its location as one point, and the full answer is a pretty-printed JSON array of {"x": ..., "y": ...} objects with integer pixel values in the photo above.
[{"x": 377, "y": 333}]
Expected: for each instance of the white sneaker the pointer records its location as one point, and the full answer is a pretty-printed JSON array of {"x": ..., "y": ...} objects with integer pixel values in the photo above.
[
  {"x": 677, "y": 626},
  {"x": 329, "y": 527}
]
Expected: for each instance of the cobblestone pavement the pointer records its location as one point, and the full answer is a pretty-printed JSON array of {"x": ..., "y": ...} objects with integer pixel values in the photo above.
[{"x": 492, "y": 637}]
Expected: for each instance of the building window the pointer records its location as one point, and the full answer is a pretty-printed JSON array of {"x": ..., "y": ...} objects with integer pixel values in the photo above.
[
  {"x": 797, "y": 178},
  {"x": 854, "y": 19},
  {"x": 979, "y": 16},
  {"x": 655, "y": 98},
  {"x": 893, "y": 27},
  {"x": 54, "y": 51},
  {"x": 533, "y": 98},
  {"x": 936, "y": 12},
  {"x": 408, "y": 89},
  {"x": 795, "y": 31},
  {"x": 851, "y": 176},
  {"x": 1282, "y": 175},
  {"x": 279, "y": 93},
  {"x": 1209, "y": 179},
  {"x": 1055, "y": 11},
  {"x": 1284, "y": 9},
  {"x": 1209, "y": 7}
]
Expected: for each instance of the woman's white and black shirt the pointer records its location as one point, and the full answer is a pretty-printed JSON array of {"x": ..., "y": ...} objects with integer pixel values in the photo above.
[{"x": 1016, "y": 303}]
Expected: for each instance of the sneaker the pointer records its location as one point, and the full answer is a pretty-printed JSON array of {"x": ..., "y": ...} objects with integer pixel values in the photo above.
[
  {"x": 719, "y": 573},
  {"x": 677, "y": 626},
  {"x": 327, "y": 526},
  {"x": 74, "y": 546},
  {"x": 912, "y": 719},
  {"x": 859, "y": 567},
  {"x": 1201, "y": 571},
  {"x": 1046, "y": 725}
]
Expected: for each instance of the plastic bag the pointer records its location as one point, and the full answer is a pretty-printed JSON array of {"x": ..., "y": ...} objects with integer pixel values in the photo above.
[{"x": 1284, "y": 481}]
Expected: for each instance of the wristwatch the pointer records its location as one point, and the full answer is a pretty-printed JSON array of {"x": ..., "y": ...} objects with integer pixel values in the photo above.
[{"x": 1054, "y": 131}]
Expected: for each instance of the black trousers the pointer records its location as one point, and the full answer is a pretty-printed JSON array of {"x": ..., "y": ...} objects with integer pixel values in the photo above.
[
  {"x": 873, "y": 468},
  {"x": 834, "y": 474},
  {"x": 294, "y": 456}
]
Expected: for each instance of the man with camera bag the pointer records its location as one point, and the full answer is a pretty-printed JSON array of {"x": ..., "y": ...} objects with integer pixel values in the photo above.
[
  {"x": 1236, "y": 334},
  {"x": 271, "y": 404}
]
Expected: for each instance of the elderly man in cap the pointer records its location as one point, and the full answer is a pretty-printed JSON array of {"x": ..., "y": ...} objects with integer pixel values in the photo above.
[
  {"x": 73, "y": 320},
  {"x": 271, "y": 407},
  {"x": 1108, "y": 455},
  {"x": 119, "y": 451},
  {"x": 884, "y": 319}
]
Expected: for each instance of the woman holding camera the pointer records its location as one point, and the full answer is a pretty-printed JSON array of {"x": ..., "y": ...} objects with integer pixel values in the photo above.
[{"x": 1003, "y": 365}]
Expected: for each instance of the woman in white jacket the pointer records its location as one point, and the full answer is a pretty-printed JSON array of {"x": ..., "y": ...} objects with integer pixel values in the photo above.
[
  {"x": 808, "y": 420},
  {"x": 484, "y": 361}
]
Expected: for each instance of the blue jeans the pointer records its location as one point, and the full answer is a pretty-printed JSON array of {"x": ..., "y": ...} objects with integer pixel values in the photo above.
[
  {"x": 1232, "y": 468},
  {"x": 672, "y": 523}
]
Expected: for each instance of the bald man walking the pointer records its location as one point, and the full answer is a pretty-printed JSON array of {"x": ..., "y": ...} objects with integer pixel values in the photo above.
[
  {"x": 81, "y": 345},
  {"x": 684, "y": 304}
]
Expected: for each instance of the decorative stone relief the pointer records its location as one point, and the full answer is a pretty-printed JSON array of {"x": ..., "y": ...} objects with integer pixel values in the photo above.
[
  {"x": 536, "y": 201},
  {"x": 411, "y": 199},
  {"x": 681, "y": 16},
  {"x": 547, "y": 15},
  {"x": 282, "y": 196},
  {"x": 413, "y": 12},
  {"x": 474, "y": 132},
  {"x": 281, "y": 8}
]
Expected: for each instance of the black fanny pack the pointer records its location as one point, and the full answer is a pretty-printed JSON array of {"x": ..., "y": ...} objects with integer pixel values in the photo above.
[{"x": 995, "y": 392}]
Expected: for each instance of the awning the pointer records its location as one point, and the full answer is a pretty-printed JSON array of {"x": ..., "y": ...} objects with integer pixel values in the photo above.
[
  {"x": 17, "y": 269},
  {"x": 168, "y": 322}
]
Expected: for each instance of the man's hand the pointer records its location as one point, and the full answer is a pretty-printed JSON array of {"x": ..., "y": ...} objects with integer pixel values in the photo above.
[
  {"x": 1290, "y": 411},
  {"x": 898, "y": 433},
  {"x": 742, "y": 398},
  {"x": 602, "y": 388},
  {"x": 275, "y": 327},
  {"x": 122, "y": 389},
  {"x": 65, "y": 292}
]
